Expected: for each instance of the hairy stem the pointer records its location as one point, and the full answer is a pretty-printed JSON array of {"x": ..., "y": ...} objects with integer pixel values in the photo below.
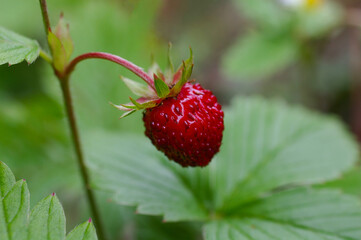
[
  {"x": 113, "y": 58},
  {"x": 79, "y": 153},
  {"x": 44, "y": 13}
]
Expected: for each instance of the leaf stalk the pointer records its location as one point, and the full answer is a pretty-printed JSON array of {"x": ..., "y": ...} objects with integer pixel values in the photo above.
[{"x": 46, "y": 56}]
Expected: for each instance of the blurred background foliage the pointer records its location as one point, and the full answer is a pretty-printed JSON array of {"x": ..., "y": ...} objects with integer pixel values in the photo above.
[{"x": 306, "y": 51}]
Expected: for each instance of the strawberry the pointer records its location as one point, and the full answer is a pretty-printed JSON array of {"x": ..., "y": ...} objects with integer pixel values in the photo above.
[
  {"x": 187, "y": 128},
  {"x": 182, "y": 119}
]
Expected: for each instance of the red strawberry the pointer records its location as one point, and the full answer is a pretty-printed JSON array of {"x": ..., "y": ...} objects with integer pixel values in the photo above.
[
  {"x": 182, "y": 120},
  {"x": 187, "y": 128}
]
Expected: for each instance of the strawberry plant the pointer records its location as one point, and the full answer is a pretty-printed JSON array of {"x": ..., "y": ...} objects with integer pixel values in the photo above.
[
  {"x": 245, "y": 173},
  {"x": 45, "y": 221}
]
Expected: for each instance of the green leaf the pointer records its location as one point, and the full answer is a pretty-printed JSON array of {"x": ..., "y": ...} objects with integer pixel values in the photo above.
[
  {"x": 14, "y": 210},
  {"x": 15, "y": 48},
  {"x": 161, "y": 87},
  {"x": 141, "y": 178},
  {"x": 258, "y": 55},
  {"x": 85, "y": 231},
  {"x": 350, "y": 183},
  {"x": 295, "y": 214},
  {"x": 320, "y": 211},
  {"x": 268, "y": 145},
  {"x": 58, "y": 52},
  {"x": 153, "y": 228},
  {"x": 7, "y": 179},
  {"x": 47, "y": 220},
  {"x": 260, "y": 229}
]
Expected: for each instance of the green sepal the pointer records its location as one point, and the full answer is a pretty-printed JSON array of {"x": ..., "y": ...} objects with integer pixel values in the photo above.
[
  {"x": 145, "y": 105},
  {"x": 62, "y": 32},
  {"x": 189, "y": 61},
  {"x": 169, "y": 72},
  {"x": 186, "y": 73},
  {"x": 154, "y": 69},
  {"x": 123, "y": 107},
  {"x": 127, "y": 114},
  {"x": 162, "y": 84},
  {"x": 58, "y": 52},
  {"x": 161, "y": 87},
  {"x": 137, "y": 105},
  {"x": 170, "y": 62},
  {"x": 126, "y": 107},
  {"x": 168, "y": 76},
  {"x": 186, "y": 68},
  {"x": 134, "y": 105},
  {"x": 137, "y": 88},
  {"x": 61, "y": 44}
]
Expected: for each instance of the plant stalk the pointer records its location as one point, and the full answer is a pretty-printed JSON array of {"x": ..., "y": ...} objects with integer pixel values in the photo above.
[
  {"x": 44, "y": 13},
  {"x": 64, "y": 83},
  {"x": 46, "y": 56},
  {"x": 79, "y": 153},
  {"x": 113, "y": 58}
]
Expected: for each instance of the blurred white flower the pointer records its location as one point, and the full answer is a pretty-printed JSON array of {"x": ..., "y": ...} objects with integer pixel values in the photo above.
[
  {"x": 309, "y": 4},
  {"x": 292, "y": 3}
]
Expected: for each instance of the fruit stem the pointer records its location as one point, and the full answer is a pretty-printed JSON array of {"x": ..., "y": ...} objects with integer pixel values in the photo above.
[
  {"x": 113, "y": 58},
  {"x": 64, "y": 83},
  {"x": 44, "y": 13}
]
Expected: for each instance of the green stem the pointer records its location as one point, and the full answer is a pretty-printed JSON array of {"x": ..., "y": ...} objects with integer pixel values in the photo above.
[
  {"x": 44, "y": 13},
  {"x": 68, "y": 102},
  {"x": 46, "y": 56},
  {"x": 64, "y": 82}
]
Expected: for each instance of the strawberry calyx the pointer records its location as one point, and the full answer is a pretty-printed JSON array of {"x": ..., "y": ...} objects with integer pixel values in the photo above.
[{"x": 165, "y": 85}]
